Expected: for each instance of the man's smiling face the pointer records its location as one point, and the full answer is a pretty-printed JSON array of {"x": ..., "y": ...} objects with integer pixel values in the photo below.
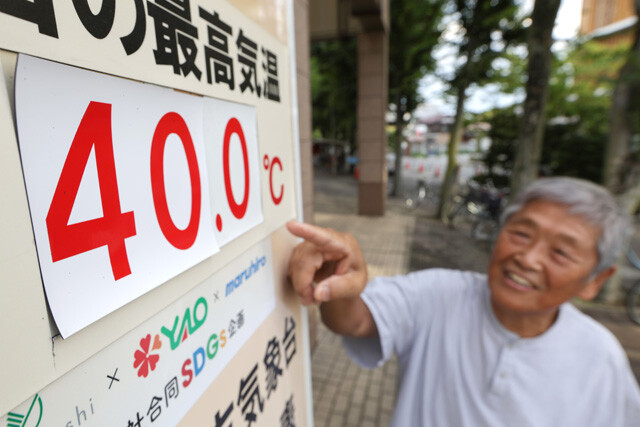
[{"x": 543, "y": 257}]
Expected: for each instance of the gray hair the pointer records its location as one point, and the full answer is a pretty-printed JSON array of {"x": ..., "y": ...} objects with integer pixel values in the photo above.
[{"x": 588, "y": 200}]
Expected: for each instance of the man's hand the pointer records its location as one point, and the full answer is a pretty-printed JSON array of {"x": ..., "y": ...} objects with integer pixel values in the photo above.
[
  {"x": 330, "y": 259},
  {"x": 333, "y": 262}
]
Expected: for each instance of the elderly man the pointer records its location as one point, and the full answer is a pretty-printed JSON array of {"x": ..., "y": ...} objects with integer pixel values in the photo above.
[{"x": 501, "y": 349}]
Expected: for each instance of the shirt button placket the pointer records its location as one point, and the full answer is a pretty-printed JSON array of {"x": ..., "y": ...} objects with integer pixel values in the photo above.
[{"x": 501, "y": 376}]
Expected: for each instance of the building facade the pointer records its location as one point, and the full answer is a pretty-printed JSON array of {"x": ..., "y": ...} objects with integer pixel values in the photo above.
[{"x": 609, "y": 21}]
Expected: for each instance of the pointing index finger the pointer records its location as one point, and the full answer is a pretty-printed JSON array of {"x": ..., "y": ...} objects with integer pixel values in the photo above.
[{"x": 319, "y": 236}]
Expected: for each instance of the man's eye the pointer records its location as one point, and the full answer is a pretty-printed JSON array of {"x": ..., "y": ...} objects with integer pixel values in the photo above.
[
  {"x": 561, "y": 253},
  {"x": 519, "y": 234}
]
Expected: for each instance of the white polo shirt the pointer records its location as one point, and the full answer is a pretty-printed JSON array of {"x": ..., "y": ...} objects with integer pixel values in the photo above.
[{"x": 460, "y": 367}]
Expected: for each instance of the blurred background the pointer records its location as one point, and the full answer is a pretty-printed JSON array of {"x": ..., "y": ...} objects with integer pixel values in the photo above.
[{"x": 419, "y": 99}]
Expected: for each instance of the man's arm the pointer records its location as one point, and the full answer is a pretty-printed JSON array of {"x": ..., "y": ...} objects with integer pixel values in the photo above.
[{"x": 333, "y": 262}]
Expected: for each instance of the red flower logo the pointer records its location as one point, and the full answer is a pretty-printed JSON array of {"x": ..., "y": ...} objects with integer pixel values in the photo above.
[{"x": 143, "y": 359}]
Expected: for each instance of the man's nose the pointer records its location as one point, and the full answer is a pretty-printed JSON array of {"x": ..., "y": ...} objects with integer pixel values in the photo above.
[{"x": 531, "y": 256}]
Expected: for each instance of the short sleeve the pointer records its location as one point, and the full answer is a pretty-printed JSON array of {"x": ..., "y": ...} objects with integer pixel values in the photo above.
[{"x": 402, "y": 306}]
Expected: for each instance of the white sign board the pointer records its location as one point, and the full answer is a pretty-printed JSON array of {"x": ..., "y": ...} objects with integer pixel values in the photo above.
[
  {"x": 123, "y": 193},
  {"x": 167, "y": 363},
  {"x": 148, "y": 172}
]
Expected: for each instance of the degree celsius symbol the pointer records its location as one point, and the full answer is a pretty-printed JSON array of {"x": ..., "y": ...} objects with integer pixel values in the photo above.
[{"x": 268, "y": 165}]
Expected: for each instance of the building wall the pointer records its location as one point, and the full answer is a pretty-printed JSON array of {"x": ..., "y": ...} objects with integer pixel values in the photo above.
[{"x": 599, "y": 13}]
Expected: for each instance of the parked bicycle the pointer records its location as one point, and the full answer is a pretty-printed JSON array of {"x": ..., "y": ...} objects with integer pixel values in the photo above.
[
  {"x": 485, "y": 230},
  {"x": 462, "y": 205},
  {"x": 423, "y": 193},
  {"x": 481, "y": 207},
  {"x": 633, "y": 293},
  {"x": 475, "y": 201}
]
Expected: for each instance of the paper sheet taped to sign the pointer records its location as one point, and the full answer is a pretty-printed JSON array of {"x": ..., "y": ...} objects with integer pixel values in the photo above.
[{"x": 121, "y": 187}]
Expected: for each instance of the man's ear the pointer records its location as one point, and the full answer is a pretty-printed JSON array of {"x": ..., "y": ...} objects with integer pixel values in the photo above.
[{"x": 592, "y": 288}]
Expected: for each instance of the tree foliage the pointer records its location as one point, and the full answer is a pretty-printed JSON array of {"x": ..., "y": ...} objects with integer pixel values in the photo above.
[
  {"x": 503, "y": 134},
  {"x": 622, "y": 156},
  {"x": 334, "y": 89},
  {"x": 486, "y": 29},
  {"x": 581, "y": 84},
  {"x": 575, "y": 136},
  {"x": 413, "y": 36},
  {"x": 622, "y": 165},
  {"x": 580, "y": 100}
]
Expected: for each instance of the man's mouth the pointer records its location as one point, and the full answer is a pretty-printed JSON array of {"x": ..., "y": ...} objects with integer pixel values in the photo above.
[{"x": 519, "y": 280}]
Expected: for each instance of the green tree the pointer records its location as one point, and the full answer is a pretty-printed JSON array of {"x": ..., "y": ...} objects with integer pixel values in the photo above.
[
  {"x": 334, "y": 89},
  {"x": 503, "y": 134},
  {"x": 621, "y": 165},
  {"x": 414, "y": 34},
  {"x": 580, "y": 99},
  {"x": 622, "y": 157},
  {"x": 530, "y": 137},
  {"x": 486, "y": 28},
  {"x": 581, "y": 85},
  {"x": 575, "y": 136}
]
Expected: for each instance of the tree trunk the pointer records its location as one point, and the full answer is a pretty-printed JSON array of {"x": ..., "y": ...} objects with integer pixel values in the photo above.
[
  {"x": 618, "y": 145},
  {"x": 612, "y": 292},
  {"x": 454, "y": 142},
  {"x": 397, "y": 177},
  {"x": 620, "y": 174},
  {"x": 617, "y": 149},
  {"x": 531, "y": 132}
]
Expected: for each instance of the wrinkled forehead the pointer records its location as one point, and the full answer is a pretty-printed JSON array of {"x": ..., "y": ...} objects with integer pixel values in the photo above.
[
  {"x": 570, "y": 219},
  {"x": 562, "y": 221},
  {"x": 573, "y": 212}
]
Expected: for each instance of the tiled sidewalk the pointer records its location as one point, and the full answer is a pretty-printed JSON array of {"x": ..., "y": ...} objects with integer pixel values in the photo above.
[{"x": 343, "y": 393}]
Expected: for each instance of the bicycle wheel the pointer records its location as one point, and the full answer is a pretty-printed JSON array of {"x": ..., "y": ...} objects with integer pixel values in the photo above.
[
  {"x": 464, "y": 214},
  {"x": 633, "y": 251},
  {"x": 432, "y": 194},
  {"x": 413, "y": 201},
  {"x": 484, "y": 232},
  {"x": 633, "y": 303}
]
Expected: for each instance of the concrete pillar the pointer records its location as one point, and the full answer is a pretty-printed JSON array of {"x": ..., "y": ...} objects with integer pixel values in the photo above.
[
  {"x": 301, "y": 11},
  {"x": 372, "y": 106}
]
